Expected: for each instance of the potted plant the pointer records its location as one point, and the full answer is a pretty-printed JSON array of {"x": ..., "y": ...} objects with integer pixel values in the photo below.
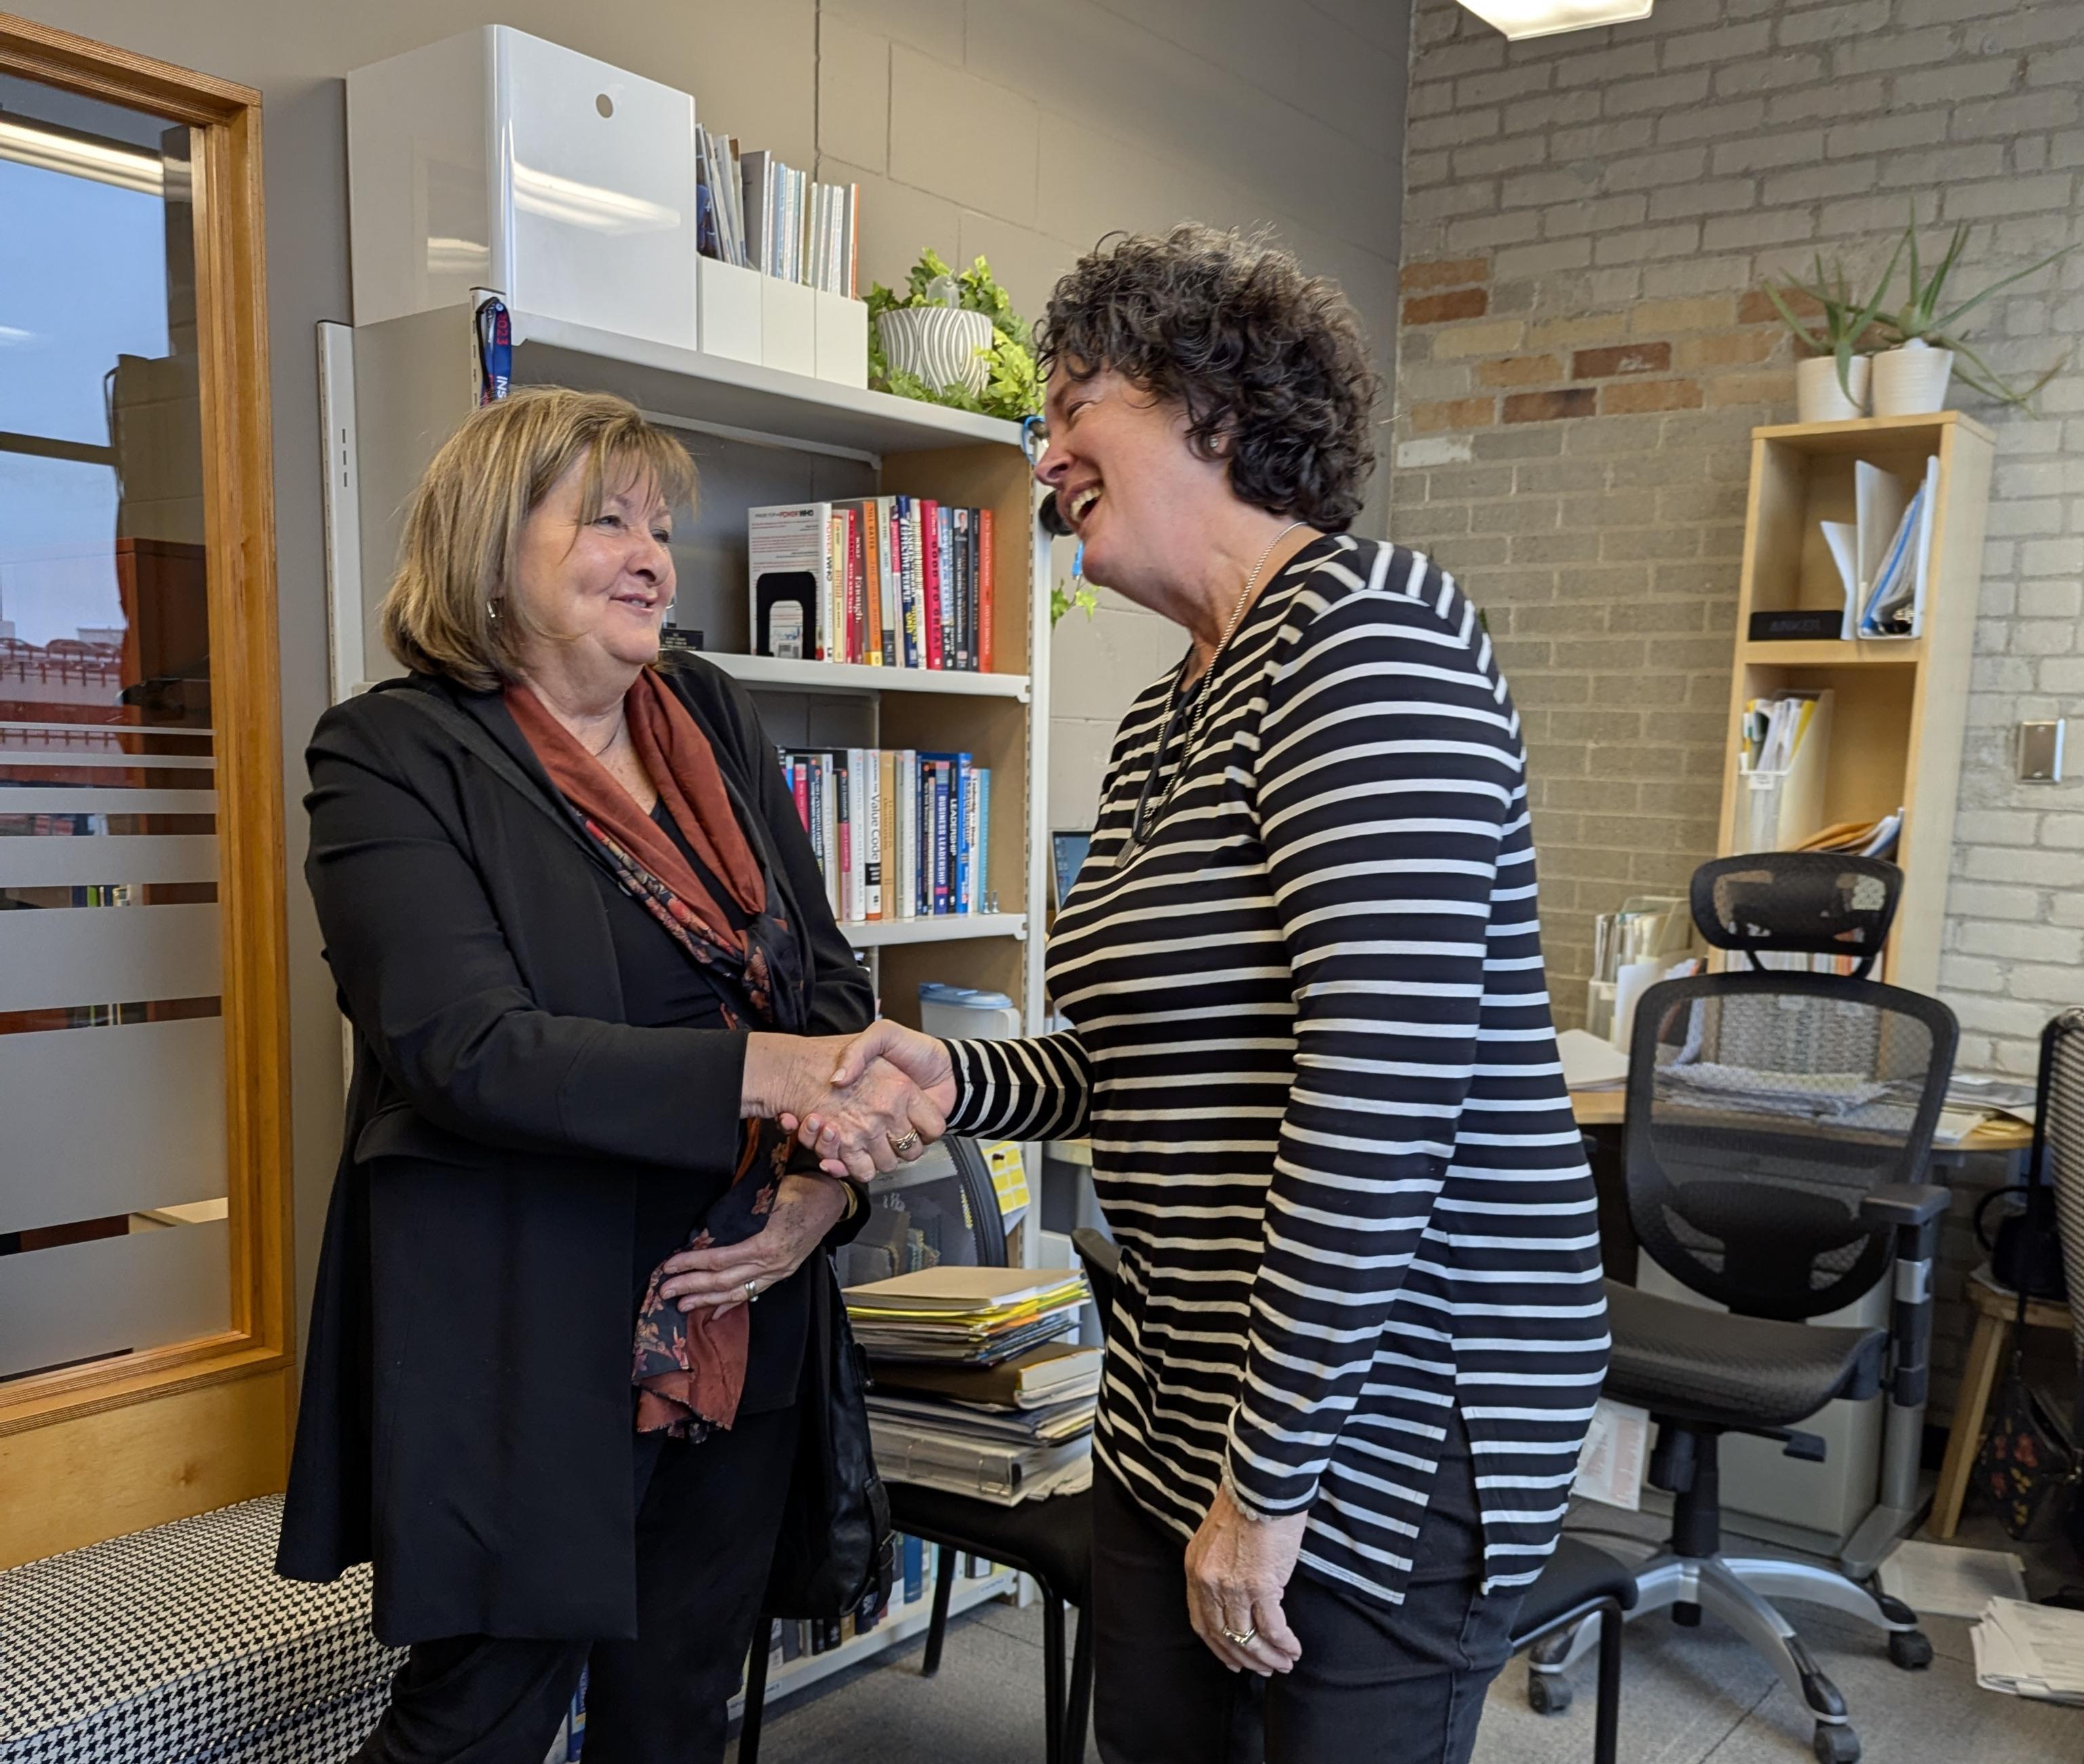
[
  {"x": 952, "y": 337},
  {"x": 1830, "y": 386},
  {"x": 1911, "y": 378}
]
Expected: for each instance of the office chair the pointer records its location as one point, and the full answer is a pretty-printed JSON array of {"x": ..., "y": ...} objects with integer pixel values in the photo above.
[
  {"x": 1779, "y": 1125},
  {"x": 1581, "y": 1589}
]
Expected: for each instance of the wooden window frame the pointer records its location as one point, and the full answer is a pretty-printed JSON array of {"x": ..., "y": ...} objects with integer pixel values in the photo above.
[{"x": 239, "y": 500}]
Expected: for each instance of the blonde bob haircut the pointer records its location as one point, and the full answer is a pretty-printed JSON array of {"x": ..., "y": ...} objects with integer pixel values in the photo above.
[{"x": 463, "y": 527}]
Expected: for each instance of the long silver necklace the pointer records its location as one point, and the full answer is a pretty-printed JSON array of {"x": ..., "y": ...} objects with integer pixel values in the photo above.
[{"x": 1144, "y": 822}]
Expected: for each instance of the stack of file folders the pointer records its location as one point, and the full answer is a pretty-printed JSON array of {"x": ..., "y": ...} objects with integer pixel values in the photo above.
[{"x": 975, "y": 1392}]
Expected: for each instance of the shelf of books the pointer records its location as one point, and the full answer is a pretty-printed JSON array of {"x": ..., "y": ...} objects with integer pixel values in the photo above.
[{"x": 1855, "y": 613}]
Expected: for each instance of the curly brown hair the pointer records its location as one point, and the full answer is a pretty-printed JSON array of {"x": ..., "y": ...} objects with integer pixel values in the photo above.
[{"x": 1269, "y": 363}]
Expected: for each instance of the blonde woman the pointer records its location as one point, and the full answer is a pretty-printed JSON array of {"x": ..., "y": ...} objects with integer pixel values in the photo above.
[{"x": 579, "y": 932}]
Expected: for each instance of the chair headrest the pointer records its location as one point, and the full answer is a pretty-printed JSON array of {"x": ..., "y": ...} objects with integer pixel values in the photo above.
[{"x": 1822, "y": 903}]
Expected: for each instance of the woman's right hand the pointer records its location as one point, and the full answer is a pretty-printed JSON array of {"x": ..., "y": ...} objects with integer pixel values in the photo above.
[
  {"x": 877, "y": 1118},
  {"x": 924, "y": 1063}
]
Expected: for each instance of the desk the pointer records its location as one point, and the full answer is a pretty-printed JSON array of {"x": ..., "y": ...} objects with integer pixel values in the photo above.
[
  {"x": 2000, "y": 1133},
  {"x": 1601, "y": 1115}
]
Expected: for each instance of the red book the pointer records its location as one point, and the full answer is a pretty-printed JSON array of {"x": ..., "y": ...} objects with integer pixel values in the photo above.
[
  {"x": 857, "y": 607},
  {"x": 985, "y": 578},
  {"x": 929, "y": 547},
  {"x": 799, "y": 784}
]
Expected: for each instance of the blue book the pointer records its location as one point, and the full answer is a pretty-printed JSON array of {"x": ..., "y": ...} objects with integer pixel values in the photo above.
[
  {"x": 980, "y": 845},
  {"x": 950, "y": 853},
  {"x": 915, "y": 1569}
]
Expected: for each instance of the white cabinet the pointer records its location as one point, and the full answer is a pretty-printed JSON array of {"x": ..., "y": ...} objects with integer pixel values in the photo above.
[{"x": 495, "y": 159}]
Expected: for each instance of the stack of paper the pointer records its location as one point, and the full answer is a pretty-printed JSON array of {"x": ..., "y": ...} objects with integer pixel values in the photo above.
[
  {"x": 1938, "y": 1579},
  {"x": 1864, "y": 838},
  {"x": 1884, "y": 553},
  {"x": 2030, "y": 1650},
  {"x": 1589, "y": 1063},
  {"x": 1009, "y": 1431},
  {"x": 976, "y": 1316}
]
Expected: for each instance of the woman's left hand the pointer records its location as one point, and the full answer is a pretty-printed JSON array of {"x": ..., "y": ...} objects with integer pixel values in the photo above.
[
  {"x": 1237, "y": 1569},
  {"x": 805, "y": 1208}
]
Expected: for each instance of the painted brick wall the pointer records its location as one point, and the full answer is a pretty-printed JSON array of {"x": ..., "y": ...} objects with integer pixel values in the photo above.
[{"x": 1582, "y": 353}]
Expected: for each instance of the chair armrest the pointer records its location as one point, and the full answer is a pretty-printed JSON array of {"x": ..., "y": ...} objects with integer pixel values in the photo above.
[{"x": 1903, "y": 1203}]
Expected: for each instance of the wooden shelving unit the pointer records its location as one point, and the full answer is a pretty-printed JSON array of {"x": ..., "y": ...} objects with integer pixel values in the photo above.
[
  {"x": 1901, "y": 706},
  {"x": 394, "y": 391}
]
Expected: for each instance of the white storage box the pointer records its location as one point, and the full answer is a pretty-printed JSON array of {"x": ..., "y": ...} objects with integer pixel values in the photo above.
[
  {"x": 842, "y": 328},
  {"x": 497, "y": 160},
  {"x": 788, "y": 325},
  {"x": 730, "y": 309}
]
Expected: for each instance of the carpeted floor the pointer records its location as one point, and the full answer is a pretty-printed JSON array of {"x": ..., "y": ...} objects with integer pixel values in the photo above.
[{"x": 1689, "y": 1696}]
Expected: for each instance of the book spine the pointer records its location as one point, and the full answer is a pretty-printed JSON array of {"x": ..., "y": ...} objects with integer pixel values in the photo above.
[
  {"x": 915, "y": 1569},
  {"x": 943, "y": 849},
  {"x": 835, "y": 873},
  {"x": 886, "y": 795},
  {"x": 951, "y": 586},
  {"x": 908, "y": 782},
  {"x": 959, "y": 521},
  {"x": 872, "y": 582},
  {"x": 962, "y": 787},
  {"x": 907, "y": 577},
  {"x": 843, "y": 840},
  {"x": 985, "y": 584},
  {"x": 973, "y": 892},
  {"x": 799, "y": 787},
  {"x": 930, "y": 611},
  {"x": 868, "y": 762},
  {"x": 885, "y": 508},
  {"x": 981, "y": 852}
]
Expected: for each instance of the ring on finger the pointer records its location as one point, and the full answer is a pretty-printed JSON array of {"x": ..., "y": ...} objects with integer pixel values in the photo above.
[
  {"x": 905, "y": 1142},
  {"x": 1245, "y": 1640},
  {"x": 751, "y": 1290}
]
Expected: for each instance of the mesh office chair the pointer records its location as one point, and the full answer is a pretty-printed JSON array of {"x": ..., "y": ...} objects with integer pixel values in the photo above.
[{"x": 1779, "y": 1125}]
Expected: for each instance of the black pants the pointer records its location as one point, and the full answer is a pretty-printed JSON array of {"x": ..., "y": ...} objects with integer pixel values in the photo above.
[
  {"x": 1375, "y": 1682},
  {"x": 706, "y": 1523}
]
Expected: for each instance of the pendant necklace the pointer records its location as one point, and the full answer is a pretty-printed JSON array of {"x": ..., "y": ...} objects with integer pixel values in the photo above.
[{"x": 1144, "y": 822}]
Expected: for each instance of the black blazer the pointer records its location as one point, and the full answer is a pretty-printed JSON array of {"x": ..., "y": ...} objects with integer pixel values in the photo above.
[{"x": 466, "y": 1420}]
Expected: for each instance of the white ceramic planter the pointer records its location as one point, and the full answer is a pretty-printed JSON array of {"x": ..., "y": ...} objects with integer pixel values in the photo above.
[
  {"x": 1817, "y": 395},
  {"x": 1911, "y": 381},
  {"x": 937, "y": 343}
]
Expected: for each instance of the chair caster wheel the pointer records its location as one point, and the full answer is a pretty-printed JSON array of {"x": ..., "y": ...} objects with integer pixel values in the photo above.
[
  {"x": 1547, "y": 1693},
  {"x": 1909, "y": 1649},
  {"x": 1835, "y": 1745}
]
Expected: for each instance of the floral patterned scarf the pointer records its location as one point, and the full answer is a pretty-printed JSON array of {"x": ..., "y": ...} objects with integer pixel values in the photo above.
[{"x": 690, "y": 1367}]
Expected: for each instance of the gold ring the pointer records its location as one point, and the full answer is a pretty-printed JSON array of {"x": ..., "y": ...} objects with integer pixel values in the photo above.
[
  {"x": 1245, "y": 1640},
  {"x": 751, "y": 1290},
  {"x": 903, "y": 1145}
]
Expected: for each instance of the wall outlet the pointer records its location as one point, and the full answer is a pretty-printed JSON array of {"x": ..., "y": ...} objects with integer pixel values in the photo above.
[{"x": 2040, "y": 753}]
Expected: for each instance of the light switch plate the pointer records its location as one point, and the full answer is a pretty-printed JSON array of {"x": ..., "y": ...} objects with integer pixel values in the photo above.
[{"x": 2040, "y": 753}]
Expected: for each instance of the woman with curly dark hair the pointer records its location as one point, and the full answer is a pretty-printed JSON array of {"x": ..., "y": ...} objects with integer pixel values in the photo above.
[{"x": 1359, "y": 1328}]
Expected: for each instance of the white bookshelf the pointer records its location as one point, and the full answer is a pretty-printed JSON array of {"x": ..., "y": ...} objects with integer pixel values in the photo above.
[
  {"x": 950, "y": 928},
  {"x": 819, "y": 676},
  {"x": 903, "y": 1624}
]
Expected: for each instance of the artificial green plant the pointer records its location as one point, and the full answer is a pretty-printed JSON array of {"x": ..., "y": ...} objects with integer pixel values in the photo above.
[{"x": 1014, "y": 388}]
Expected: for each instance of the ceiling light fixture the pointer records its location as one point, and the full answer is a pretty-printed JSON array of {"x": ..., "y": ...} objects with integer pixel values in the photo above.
[
  {"x": 1520, "y": 19},
  {"x": 126, "y": 168}
]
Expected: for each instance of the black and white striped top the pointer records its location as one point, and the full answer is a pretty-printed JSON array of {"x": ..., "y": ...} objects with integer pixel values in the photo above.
[{"x": 1313, "y": 1050}]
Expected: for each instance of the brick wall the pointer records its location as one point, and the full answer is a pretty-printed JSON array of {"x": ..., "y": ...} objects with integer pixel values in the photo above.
[
  {"x": 1583, "y": 354},
  {"x": 1583, "y": 351}
]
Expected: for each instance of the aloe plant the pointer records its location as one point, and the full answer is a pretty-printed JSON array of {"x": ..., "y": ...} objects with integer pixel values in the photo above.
[
  {"x": 1923, "y": 317},
  {"x": 1846, "y": 318}
]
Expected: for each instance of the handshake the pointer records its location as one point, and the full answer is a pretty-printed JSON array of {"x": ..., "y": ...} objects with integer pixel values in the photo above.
[{"x": 862, "y": 1103}]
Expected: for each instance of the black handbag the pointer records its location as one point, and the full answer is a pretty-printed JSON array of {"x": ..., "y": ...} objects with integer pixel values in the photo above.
[
  {"x": 2024, "y": 1459},
  {"x": 834, "y": 1553}
]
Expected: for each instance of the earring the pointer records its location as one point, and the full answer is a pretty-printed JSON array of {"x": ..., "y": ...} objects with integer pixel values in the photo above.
[{"x": 492, "y": 611}]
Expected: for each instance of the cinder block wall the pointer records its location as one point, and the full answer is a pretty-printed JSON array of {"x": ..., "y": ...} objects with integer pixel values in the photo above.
[
  {"x": 1025, "y": 131},
  {"x": 1583, "y": 352}
]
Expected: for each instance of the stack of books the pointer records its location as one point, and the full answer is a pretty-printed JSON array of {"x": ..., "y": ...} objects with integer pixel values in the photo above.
[
  {"x": 975, "y": 1391},
  {"x": 897, "y": 833},
  {"x": 882, "y": 581},
  {"x": 755, "y": 212}
]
